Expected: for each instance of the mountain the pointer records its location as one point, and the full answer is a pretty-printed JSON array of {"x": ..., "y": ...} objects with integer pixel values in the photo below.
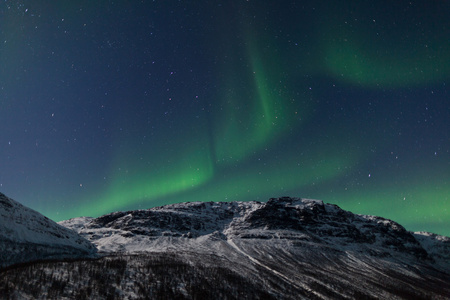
[
  {"x": 285, "y": 248},
  {"x": 292, "y": 219},
  {"x": 26, "y": 235}
]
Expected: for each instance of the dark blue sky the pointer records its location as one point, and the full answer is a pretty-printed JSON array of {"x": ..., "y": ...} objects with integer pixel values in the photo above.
[{"x": 118, "y": 105}]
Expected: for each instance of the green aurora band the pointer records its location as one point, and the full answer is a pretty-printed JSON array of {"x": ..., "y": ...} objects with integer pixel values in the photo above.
[
  {"x": 413, "y": 206},
  {"x": 251, "y": 118},
  {"x": 173, "y": 173},
  {"x": 389, "y": 60},
  {"x": 255, "y": 112}
]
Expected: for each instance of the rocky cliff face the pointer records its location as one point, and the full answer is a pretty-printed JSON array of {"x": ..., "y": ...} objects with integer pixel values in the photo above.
[{"x": 26, "y": 235}]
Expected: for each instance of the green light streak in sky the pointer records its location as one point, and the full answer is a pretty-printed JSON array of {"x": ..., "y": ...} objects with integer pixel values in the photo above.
[
  {"x": 266, "y": 179},
  {"x": 266, "y": 101},
  {"x": 348, "y": 61},
  {"x": 411, "y": 209},
  {"x": 271, "y": 177},
  {"x": 254, "y": 111},
  {"x": 415, "y": 203},
  {"x": 247, "y": 123},
  {"x": 256, "y": 108},
  {"x": 194, "y": 178},
  {"x": 187, "y": 169},
  {"x": 371, "y": 53}
]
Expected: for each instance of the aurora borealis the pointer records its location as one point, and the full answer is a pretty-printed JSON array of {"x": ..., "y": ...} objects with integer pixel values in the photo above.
[{"x": 123, "y": 105}]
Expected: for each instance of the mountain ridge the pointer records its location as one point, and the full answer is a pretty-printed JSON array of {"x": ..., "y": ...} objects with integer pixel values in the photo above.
[{"x": 284, "y": 217}]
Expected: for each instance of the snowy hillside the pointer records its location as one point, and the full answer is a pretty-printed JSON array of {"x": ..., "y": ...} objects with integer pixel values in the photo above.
[
  {"x": 286, "y": 248},
  {"x": 26, "y": 235},
  {"x": 299, "y": 248},
  {"x": 201, "y": 223}
]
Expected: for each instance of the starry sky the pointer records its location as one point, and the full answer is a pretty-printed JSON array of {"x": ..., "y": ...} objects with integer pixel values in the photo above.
[{"x": 120, "y": 105}]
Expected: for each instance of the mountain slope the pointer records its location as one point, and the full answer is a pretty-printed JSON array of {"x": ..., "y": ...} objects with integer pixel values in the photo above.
[
  {"x": 26, "y": 235},
  {"x": 297, "y": 248},
  {"x": 286, "y": 248},
  {"x": 278, "y": 219}
]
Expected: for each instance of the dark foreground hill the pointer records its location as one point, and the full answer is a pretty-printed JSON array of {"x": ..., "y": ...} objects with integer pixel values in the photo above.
[{"x": 286, "y": 248}]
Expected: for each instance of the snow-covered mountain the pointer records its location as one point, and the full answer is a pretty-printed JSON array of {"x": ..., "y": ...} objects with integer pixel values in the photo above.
[
  {"x": 286, "y": 248},
  {"x": 318, "y": 250},
  {"x": 26, "y": 235},
  {"x": 278, "y": 219}
]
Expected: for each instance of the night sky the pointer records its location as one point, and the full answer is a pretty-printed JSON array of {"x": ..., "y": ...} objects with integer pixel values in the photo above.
[{"x": 121, "y": 105}]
